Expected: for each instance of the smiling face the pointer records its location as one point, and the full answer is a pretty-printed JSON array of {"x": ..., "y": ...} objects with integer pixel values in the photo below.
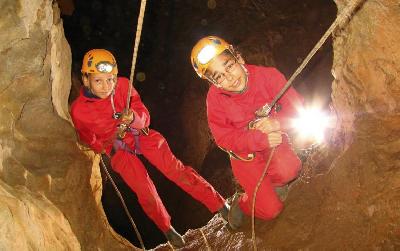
[
  {"x": 228, "y": 73},
  {"x": 100, "y": 84}
]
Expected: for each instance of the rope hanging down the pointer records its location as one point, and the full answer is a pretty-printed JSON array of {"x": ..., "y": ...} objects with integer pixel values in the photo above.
[
  {"x": 123, "y": 203},
  {"x": 135, "y": 49},
  {"x": 340, "y": 20},
  {"x": 253, "y": 232},
  {"x": 137, "y": 40}
]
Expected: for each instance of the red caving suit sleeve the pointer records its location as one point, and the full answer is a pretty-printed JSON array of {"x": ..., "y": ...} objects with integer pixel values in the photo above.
[
  {"x": 83, "y": 121},
  {"x": 227, "y": 136},
  {"x": 291, "y": 101},
  {"x": 88, "y": 137},
  {"x": 142, "y": 115}
]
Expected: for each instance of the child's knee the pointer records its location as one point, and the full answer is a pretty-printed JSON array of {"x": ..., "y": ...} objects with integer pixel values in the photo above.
[
  {"x": 270, "y": 212},
  {"x": 290, "y": 172}
]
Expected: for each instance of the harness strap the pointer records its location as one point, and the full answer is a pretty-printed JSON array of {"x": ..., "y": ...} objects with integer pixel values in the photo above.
[
  {"x": 233, "y": 155},
  {"x": 119, "y": 144},
  {"x": 136, "y": 134}
]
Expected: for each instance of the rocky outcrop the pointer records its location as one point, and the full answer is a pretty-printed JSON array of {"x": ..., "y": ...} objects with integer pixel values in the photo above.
[{"x": 49, "y": 190}]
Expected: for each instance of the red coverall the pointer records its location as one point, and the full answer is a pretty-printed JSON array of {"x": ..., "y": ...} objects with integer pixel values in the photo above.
[
  {"x": 228, "y": 116},
  {"x": 96, "y": 127}
]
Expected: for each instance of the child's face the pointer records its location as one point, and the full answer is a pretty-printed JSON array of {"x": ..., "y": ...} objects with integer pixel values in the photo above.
[
  {"x": 227, "y": 73},
  {"x": 100, "y": 84}
]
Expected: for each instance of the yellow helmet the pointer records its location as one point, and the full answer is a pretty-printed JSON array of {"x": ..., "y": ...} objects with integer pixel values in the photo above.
[
  {"x": 99, "y": 61},
  {"x": 205, "y": 50}
]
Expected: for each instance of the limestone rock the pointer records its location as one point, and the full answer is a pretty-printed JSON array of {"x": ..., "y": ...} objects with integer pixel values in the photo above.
[
  {"x": 29, "y": 221},
  {"x": 49, "y": 190}
]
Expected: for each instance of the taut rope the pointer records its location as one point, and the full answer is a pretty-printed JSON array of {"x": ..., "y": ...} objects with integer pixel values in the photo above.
[
  {"x": 135, "y": 50},
  {"x": 340, "y": 20}
]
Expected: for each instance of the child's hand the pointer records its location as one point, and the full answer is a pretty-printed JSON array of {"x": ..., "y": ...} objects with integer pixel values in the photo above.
[
  {"x": 267, "y": 125},
  {"x": 274, "y": 138},
  {"x": 139, "y": 122},
  {"x": 127, "y": 117}
]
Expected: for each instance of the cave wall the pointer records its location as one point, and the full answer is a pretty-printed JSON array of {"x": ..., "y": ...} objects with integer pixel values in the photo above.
[
  {"x": 350, "y": 197},
  {"x": 366, "y": 67},
  {"x": 49, "y": 190}
]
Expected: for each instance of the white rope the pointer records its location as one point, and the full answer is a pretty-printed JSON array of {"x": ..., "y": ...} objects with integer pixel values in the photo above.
[
  {"x": 135, "y": 49},
  {"x": 205, "y": 240},
  {"x": 340, "y": 20}
]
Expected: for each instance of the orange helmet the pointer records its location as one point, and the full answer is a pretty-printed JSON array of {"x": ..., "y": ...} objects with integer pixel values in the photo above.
[
  {"x": 205, "y": 50},
  {"x": 99, "y": 61}
]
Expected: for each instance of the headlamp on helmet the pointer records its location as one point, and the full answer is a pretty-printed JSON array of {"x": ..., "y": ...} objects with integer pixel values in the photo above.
[
  {"x": 99, "y": 61},
  {"x": 206, "y": 54},
  {"x": 205, "y": 50},
  {"x": 105, "y": 67}
]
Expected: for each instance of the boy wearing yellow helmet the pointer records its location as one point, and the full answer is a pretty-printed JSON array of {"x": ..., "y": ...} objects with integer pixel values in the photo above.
[
  {"x": 98, "y": 114},
  {"x": 237, "y": 92}
]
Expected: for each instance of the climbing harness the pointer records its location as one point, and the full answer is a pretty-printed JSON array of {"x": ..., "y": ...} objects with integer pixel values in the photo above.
[
  {"x": 123, "y": 203},
  {"x": 251, "y": 125}
]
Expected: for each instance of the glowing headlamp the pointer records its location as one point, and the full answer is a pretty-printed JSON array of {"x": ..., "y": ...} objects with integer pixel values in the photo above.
[
  {"x": 104, "y": 67},
  {"x": 206, "y": 54},
  {"x": 312, "y": 124}
]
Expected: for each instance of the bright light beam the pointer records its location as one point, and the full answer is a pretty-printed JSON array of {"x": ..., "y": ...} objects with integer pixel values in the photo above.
[
  {"x": 206, "y": 54},
  {"x": 311, "y": 124}
]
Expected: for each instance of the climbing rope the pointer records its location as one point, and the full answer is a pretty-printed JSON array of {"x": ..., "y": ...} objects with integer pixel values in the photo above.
[
  {"x": 205, "y": 240},
  {"x": 128, "y": 99},
  {"x": 253, "y": 232},
  {"x": 340, "y": 20},
  {"x": 135, "y": 50},
  {"x": 123, "y": 203}
]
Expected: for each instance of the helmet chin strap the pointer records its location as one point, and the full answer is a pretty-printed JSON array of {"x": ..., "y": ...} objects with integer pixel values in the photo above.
[
  {"x": 213, "y": 82},
  {"x": 235, "y": 55}
]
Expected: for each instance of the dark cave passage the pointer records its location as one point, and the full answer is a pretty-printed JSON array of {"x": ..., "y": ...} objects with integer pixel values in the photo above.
[{"x": 274, "y": 33}]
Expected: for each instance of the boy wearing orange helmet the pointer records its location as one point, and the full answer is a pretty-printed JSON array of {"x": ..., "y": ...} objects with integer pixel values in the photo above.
[
  {"x": 237, "y": 93},
  {"x": 101, "y": 122}
]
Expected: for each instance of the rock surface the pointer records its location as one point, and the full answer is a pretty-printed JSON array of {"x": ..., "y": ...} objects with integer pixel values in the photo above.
[{"x": 49, "y": 190}]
